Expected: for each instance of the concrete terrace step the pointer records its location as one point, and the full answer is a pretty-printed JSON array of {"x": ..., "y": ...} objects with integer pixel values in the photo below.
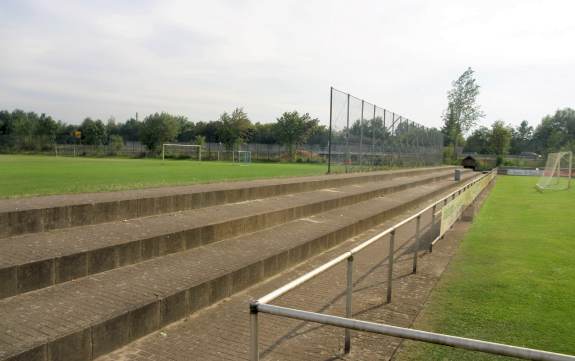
[
  {"x": 89, "y": 317},
  {"x": 37, "y": 260},
  {"x": 38, "y": 214}
]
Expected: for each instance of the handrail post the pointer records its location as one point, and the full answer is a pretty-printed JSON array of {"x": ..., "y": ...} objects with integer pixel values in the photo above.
[
  {"x": 254, "y": 347},
  {"x": 417, "y": 235},
  {"x": 433, "y": 210},
  {"x": 348, "y": 300},
  {"x": 390, "y": 266}
]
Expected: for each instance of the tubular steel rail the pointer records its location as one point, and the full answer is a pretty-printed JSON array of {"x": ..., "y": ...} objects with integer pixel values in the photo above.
[{"x": 262, "y": 304}]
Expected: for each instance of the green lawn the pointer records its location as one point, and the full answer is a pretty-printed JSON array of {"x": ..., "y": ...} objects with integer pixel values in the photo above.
[
  {"x": 513, "y": 278},
  {"x": 23, "y": 175}
]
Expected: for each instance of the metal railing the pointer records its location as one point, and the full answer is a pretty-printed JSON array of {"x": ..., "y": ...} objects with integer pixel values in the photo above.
[{"x": 263, "y": 304}]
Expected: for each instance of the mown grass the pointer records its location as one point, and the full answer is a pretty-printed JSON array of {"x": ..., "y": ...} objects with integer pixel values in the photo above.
[
  {"x": 513, "y": 278},
  {"x": 24, "y": 175}
]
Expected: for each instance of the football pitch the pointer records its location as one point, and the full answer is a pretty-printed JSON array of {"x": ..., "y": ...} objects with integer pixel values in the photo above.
[
  {"x": 513, "y": 278},
  {"x": 24, "y": 175}
]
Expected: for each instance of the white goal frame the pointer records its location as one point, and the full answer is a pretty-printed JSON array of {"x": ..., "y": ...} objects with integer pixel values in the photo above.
[
  {"x": 554, "y": 172},
  {"x": 199, "y": 147},
  {"x": 247, "y": 156}
]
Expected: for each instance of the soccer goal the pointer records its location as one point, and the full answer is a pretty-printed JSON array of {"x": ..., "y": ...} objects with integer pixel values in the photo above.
[
  {"x": 181, "y": 150},
  {"x": 242, "y": 156},
  {"x": 557, "y": 172}
]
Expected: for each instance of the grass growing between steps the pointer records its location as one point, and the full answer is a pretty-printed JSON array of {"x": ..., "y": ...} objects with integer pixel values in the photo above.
[
  {"x": 25, "y": 175},
  {"x": 513, "y": 278}
]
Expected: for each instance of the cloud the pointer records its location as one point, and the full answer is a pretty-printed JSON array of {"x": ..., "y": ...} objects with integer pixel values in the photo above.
[{"x": 75, "y": 59}]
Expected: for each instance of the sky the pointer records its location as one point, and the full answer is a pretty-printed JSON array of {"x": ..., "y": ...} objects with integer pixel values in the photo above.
[{"x": 74, "y": 59}]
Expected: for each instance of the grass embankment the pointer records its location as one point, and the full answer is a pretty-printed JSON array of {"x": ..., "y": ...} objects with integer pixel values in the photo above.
[
  {"x": 513, "y": 278},
  {"x": 23, "y": 175}
]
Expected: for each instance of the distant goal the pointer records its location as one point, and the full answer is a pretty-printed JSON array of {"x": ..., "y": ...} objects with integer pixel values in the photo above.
[
  {"x": 242, "y": 156},
  {"x": 557, "y": 172},
  {"x": 191, "y": 151}
]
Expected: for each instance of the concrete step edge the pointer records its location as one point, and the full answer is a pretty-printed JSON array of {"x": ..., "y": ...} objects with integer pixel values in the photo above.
[
  {"x": 19, "y": 216},
  {"x": 40, "y": 273}
]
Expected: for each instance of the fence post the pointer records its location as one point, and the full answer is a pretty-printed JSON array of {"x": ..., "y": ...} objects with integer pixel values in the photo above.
[
  {"x": 330, "y": 130},
  {"x": 433, "y": 210},
  {"x": 417, "y": 236},
  {"x": 361, "y": 137},
  {"x": 373, "y": 137},
  {"x": 348, "y": 154},
  {"x": 390, "y": 266},
  {"x": 349, "y": 293},
  {"x": 392, "y": 138},
  {"x": 254, "y": 347}
]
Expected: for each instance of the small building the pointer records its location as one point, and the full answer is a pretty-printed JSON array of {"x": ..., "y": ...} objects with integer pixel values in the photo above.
[{"x": 469, "y": 162}]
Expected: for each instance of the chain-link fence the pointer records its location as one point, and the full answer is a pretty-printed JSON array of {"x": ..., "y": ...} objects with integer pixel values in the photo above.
[
  {"x": 365, "y": 136},
  {"x": 306, "y": 153}
]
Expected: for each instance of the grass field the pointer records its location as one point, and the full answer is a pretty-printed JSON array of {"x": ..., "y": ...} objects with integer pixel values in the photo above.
[
  {"x": 22, "y": 175},
  {"x": 513, "y": 279}
]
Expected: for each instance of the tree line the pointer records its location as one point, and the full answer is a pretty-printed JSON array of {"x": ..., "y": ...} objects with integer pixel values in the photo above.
[
  {"x": 29, "y": 131},
  {"x": 555, "y": 132}
]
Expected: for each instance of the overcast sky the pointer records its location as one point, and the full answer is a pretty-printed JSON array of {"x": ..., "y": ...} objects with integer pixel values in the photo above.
[{"x": 73, "y": 59}]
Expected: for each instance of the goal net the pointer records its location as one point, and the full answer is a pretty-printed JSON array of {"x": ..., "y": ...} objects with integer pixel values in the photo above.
[
  {"x": 557, "y": 172},
  {"x": 242, "y": 156},
  {"x": 188, "y": 151}
]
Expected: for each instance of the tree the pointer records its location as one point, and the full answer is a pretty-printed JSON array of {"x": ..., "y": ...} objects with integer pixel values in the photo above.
[
  {"x": 200, "y": 140},
  {"x": 521, "y": 137},
  {"x": 234, "y": 128},
  {"x": 293, "y": 129},
  {"x": 93, "y": 132},
  {"x": 187, "y": 131},
  {"x": 500, "y": 138},
  {"x": 462, "y": 111},
  {"x": 158, "y": 128},
  {"x": 264, "y": 133},
  {"x": 319, "y": 135},
  {"x": 208, "y": 129},
  {"x": 7, "y": 138},
  {"x": 111, "y": 129},
  {"x": 45, "y": 131},
  {"x": 116, "y": 144},
  {"x": 555, "y": 133},
  {"x": 23, "y": 129},
  {"x": 129, "y": 130},
  {"x": 478, "y": 141}
]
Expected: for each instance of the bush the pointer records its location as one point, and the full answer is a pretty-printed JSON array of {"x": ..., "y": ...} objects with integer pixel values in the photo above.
[{"x": 116, "y": 143}]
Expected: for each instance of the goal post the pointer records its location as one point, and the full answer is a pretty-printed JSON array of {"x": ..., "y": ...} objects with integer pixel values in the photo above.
[
  {"x": 242, "y": 156},
  {"x": 181, "y": 149},
  {"x": 557, "y": 172}
]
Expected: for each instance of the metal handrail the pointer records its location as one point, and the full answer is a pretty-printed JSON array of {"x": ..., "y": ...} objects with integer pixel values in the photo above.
[
  {"x": 261, "y": 305},
  {"x": 417, "y": 335},
  {"x": 326, "y": 266}
]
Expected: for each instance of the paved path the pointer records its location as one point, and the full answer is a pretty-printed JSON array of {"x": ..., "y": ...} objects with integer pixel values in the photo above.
[{"x": 221, "y": 332}]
